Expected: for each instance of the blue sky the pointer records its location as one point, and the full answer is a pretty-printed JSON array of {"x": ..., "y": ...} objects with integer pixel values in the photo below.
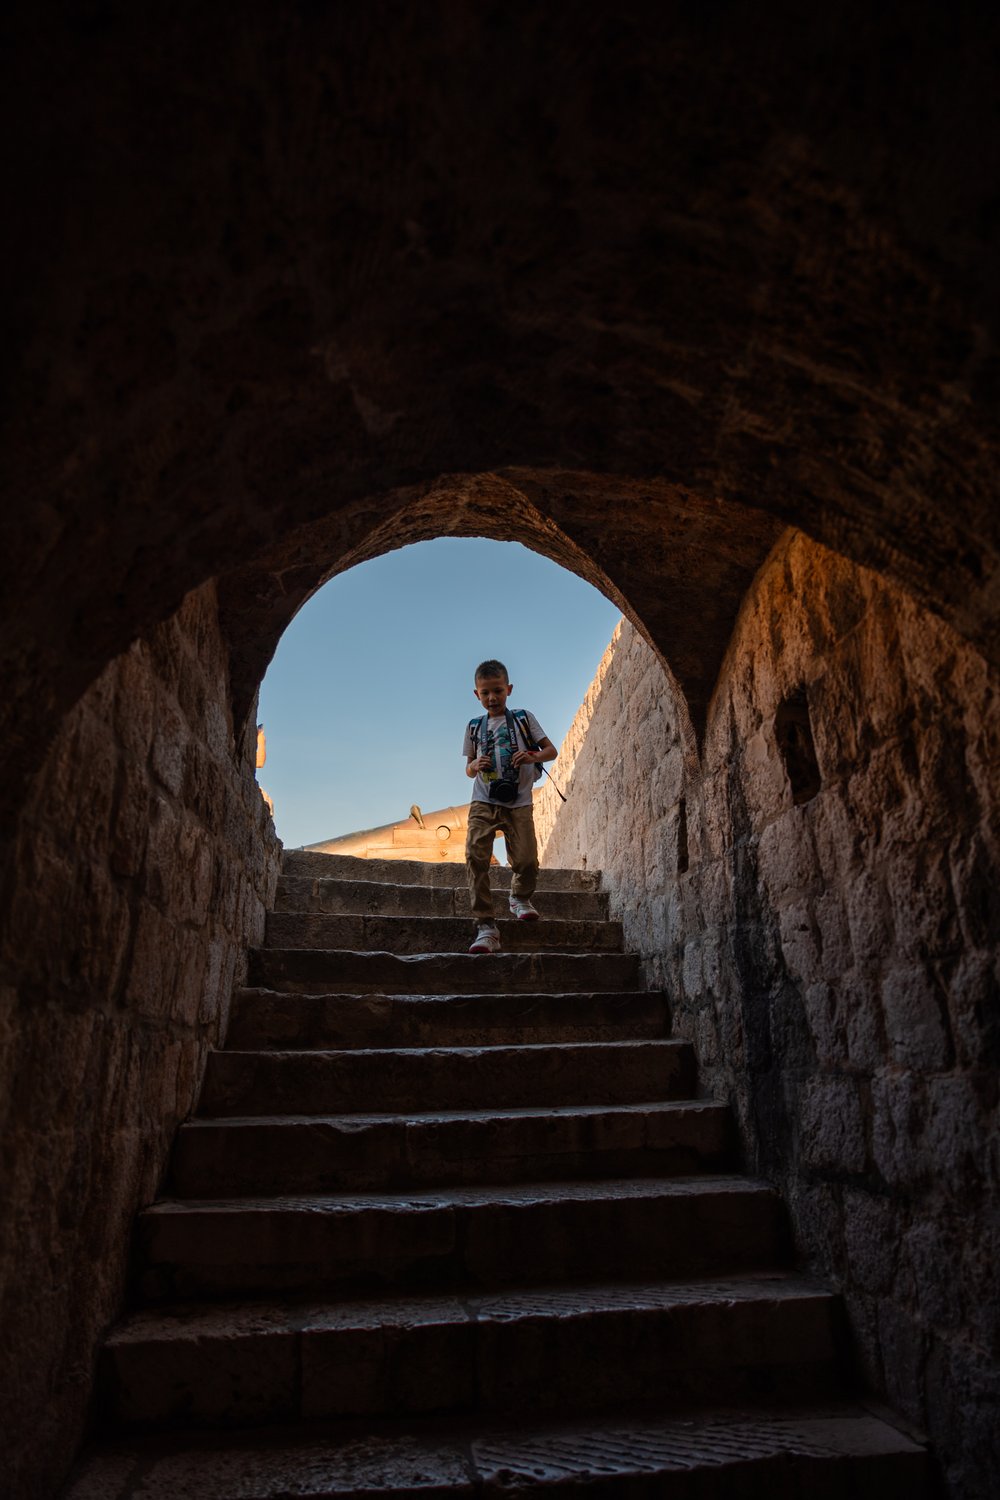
[{"x": 366, "y": 700}]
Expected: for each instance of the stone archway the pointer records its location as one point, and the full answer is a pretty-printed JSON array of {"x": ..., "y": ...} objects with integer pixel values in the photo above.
[
  {"x": 272, "y": 283},
  {"x": 312, "y": 266},
  {"x": 677, "y": 565}
]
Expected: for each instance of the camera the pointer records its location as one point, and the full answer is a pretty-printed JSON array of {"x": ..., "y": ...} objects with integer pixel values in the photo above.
[{"x": 504, "y": 789}]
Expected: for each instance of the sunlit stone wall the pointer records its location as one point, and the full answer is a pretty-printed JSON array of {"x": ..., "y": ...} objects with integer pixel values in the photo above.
[{"x": 833, "y": 959}]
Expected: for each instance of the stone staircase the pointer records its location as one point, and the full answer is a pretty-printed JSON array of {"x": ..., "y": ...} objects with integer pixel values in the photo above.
[{"x": 450, "y": 1225}]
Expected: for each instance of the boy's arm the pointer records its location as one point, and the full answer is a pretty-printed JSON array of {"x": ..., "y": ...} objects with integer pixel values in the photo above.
[
  {"x": 546, "y": 751},
  {"x": 473, "y": 763}
]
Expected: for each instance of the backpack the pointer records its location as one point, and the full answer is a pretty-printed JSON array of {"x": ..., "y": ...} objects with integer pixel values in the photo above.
[{"x": 479, "y": 729}]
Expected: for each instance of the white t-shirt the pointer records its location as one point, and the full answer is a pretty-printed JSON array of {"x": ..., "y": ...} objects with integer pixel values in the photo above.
[{"x": 498, "y": 745}]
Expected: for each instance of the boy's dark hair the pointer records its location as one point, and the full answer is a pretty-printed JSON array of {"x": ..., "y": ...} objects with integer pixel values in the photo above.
[{"x": 491, "y": 668}]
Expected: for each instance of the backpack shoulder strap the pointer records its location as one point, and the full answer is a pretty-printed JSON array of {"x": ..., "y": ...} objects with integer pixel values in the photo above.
[
  {"x": 521, "y": 717},
  {"x": 478, "y": 730}
]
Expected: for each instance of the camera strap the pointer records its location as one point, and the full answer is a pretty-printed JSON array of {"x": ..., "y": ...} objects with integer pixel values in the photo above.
[
  {"x": 483, "y": 741},
  {"x": 513, "y": 723}
]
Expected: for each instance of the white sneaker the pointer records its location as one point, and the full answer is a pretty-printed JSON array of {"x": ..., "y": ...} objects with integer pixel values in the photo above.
[
  {"x": 487, "y": 939},
  {"x": 522, "y": 910}
]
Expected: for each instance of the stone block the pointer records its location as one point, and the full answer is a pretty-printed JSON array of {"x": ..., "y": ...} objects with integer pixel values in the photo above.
[
  {"x": 764, "y": 779},
  {"x": 170, "y": 737},
  {"x": 193, "y": 696},
  {"x": 945, "y": 785},
  {"x": 161, "y": 850},
  {"x": 898, "y": 1110},
  {"x": 135, "y": 703},
  {"x": 924, "y": 913},
  {"x": 787, "y": 856},
  {"x": 799, "y": 940},
  {"x": 932, "y": 1250},
  {"x": 832, "y": 1124},
  {"x": 868, "y": 915},
  {"x": 872, "y": 1234},
  {"x": 829, "y": 913},
  {"x": 189, "y": 962},
  {"x": 861, "y": 1013},
  {"x": 102, "y": 919},
  {"x": 915, "y": 1019},
  {"x": 958, "y": 1138},
  {"x": 834, "y": 723},
  {"x": 838, "y": 841},
  {"x": 904, "y": 1344},
  {"x": 130, "y": 829},
  {"x": 961, "y": 1415},
  {"x": 971, "y": 985},
  {"x": 826, "y": 1024},
  {"x": 975, "y": 875},
  {"x": 666, "y": 779},
  {"x": 167, "y": 654}
]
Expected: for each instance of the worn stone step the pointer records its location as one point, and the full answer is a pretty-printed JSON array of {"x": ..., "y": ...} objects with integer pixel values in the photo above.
[
  {"x": 755, "y": 1452},
  {"x": 407, "y": 1078},
  {"x": 536, "y": 1348},
  {"x": 307, "y": 863},
  {"x": 361, "y": 1153},
  {"x": 334, "y": 970},
  {"x": 338, "y": 897},
  {"x": 485, "y": 1236},
  {"x": 269, "y": 1018},
  {"x": 292, "y": 929}
]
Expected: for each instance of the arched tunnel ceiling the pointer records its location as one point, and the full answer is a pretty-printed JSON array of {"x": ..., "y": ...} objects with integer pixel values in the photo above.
[
  {"x": 274, "y": 270},
  {"x": 677, "y": 564}
]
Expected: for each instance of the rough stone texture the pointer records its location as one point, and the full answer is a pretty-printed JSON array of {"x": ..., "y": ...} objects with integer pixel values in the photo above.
[
  {"x": 397, "y": 934},
  {"x": 750, "y": 1455},
  {"x": 319, "y": 1082},
  {"x": 461, "y": 1259},
  {"x": 534, "y": 1349},
  {"x": 288, "y": 289},
  {"x": 145, "y": 858},
  {"x": 294, "y": 291},
  {"x": 366, "y": 1152},
  {"x": 834, "y": 962}
]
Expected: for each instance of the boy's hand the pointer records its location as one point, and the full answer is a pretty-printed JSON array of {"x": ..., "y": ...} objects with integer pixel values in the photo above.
[
  {"x": 524, "y": 758},
  {"x": 481, "y": 763}
]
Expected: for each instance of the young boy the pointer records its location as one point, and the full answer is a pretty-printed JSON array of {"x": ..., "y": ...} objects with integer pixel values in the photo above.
[{"x": 504, "y": 768}]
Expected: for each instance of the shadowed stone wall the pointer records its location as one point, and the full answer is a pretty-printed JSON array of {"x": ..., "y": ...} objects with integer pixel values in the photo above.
[
  {"x": 834, "y": 961},
  {"x": 144, "y": 861}
]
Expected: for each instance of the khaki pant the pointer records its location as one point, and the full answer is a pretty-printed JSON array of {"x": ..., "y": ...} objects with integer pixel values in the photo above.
[{"x": 518, "y": 828}]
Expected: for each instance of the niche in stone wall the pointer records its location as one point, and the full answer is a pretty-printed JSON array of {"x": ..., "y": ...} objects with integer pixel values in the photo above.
[{"x": 793, "y": 733}]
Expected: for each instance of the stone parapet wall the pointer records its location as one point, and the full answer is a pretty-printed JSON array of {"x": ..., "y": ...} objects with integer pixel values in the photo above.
[
  {"x": 144, "y": 860},
  {"x": 835, "y": 959},
  {"x": 622, "y": 769}
]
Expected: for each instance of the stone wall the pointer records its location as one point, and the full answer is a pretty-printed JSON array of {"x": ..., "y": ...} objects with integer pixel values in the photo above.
[
  {"x": 833, "y": 958},
  {"x": 143, "y": 862}
]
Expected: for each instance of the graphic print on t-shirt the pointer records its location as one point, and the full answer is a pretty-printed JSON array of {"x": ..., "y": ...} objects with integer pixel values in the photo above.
[{"x": 498, "y": 747}]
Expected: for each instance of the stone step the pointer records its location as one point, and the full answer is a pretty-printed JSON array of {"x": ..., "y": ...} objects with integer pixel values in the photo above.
[
  {"x": 293, "y": 929},
  {"x": 250, "y": 1157},
  {"x": 532, "y": 1349},
  {"x": 449, "y": 1078},
  {"x": 330, "y": 971},
  {"x": 344, "y": 897},
  {"x": 460, "y": 1236},
  {"x": 756, "y": 1452},
  {"x": 269, "y": 1018},
  {"x": 302, "y": 862}
]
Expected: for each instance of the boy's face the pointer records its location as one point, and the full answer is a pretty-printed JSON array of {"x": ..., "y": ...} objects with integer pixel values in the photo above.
[{"x": 493, "y": 693}]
